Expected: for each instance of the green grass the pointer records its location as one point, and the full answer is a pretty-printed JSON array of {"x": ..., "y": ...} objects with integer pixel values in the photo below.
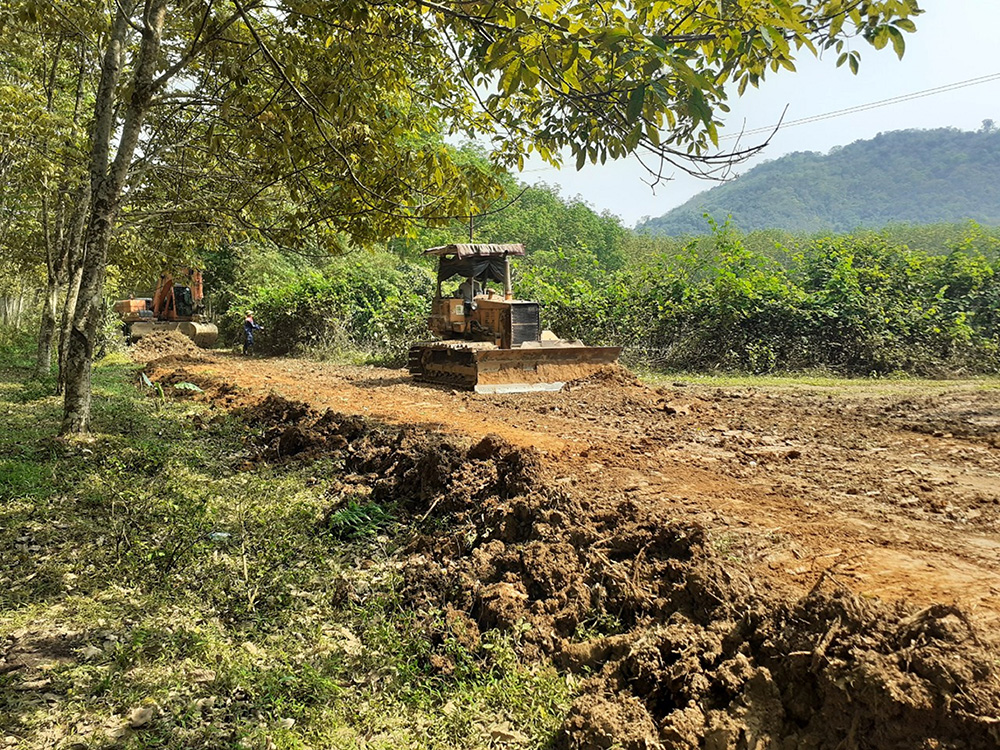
[
  {"x": 144, "y": 569},
  {"x": 893, "y": 384}
]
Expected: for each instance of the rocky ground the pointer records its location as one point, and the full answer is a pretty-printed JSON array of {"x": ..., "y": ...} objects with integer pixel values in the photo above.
[{"x": 736, "y": 567}]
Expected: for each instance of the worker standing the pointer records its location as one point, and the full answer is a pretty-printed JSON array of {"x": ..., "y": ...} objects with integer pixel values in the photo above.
[{"x": 249, "y": 326}]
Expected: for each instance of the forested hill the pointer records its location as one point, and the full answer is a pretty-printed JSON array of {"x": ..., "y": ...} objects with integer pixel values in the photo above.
[{"x": 911, "y": 176}]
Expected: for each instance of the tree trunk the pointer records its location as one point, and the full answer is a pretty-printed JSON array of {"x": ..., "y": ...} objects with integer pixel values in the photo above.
[
  {"x": 72, "y": 297},
  {"x": 75, "y": 257},
  {"x": 55, "y": 269},
  {"x": 106, "y": 189},
  {"x": 43, "y": 360}
]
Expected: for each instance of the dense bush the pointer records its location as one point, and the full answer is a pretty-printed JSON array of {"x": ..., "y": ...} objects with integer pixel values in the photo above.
[
  {"x": 855, "y": 304},
  {"x": 366, "y": 306},
  {"x": 850, "y": 304}
]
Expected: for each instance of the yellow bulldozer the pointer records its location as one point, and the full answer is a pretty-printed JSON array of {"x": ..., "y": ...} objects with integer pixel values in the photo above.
[
  {"x": 488, "y": 341},
  {"x": 176, "y": 305}
]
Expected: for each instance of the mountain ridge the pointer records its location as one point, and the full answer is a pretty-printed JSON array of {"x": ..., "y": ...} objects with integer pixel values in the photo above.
[{"x": 901, "y": 176}]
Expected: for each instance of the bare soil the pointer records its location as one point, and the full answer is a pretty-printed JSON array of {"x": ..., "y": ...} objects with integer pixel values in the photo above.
[
  {"x": 163, "y": 344},
  {"x": 728, "y": 568}
]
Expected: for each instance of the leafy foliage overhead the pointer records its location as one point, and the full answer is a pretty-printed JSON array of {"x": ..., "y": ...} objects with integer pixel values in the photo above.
[
  {"x": 303, "y": 118},
  {"x": 912, "y": 176},
  {"x": 607, "y": 79}
]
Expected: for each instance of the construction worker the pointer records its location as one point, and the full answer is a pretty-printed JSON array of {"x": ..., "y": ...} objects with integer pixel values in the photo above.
[
  {"x": 469, "y": 289},
  {"x": 249, "y": 326}
]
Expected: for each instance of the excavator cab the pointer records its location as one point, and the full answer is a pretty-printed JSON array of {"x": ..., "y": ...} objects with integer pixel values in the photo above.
[{"x": 488, "y": 341}]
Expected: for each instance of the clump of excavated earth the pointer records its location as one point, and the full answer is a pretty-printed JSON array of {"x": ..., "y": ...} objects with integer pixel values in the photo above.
[{"x": 688, "y": 632}]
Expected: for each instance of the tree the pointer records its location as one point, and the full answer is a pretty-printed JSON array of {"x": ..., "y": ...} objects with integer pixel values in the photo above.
[{"x": 333, "y": 108}]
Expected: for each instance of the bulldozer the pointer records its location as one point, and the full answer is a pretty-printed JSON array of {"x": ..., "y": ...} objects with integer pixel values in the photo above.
[
  {"x": 176, "y": 305},
  {"x": 488, "y": 341}
]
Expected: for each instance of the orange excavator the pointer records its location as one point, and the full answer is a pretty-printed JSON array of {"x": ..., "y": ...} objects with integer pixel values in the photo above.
[
  {"x": 490, "y": 342},
  {"x": 176, "y": 305}
]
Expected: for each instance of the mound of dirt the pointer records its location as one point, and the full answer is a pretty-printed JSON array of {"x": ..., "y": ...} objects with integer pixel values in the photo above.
[
  {"x": 679, "y": 647},
  {"x": 164, "y": 344},
  {"x": 610, "y": 376},
  {"x": 394, "y": 465},
  {"x": 682, "y": 640},
  {"x": 219, "y": 392}
]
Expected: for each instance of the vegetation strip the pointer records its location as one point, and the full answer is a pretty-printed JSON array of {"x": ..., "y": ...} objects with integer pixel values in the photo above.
[{"x": 154, "y": 595}]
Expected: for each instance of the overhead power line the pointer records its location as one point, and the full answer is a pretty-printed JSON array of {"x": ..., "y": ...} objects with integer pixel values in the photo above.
[
  {"x": 871, "y": 105},
  {"x": 846, "y": 111}
]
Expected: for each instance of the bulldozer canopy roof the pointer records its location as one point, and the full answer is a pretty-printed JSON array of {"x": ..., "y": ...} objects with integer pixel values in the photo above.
[
  {"x": 476, "y": 251},
  {"x": 481, "y": 267}
]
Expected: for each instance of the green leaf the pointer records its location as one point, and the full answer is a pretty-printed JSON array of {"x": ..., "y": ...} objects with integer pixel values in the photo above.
[
  {"x": 836, "y": 25},
  {"x": 898, "y": 42},
  {"x": 699, "y": 107},
  {"x": 529, "y": 78},
  {"x": 881, "y": 37},
  {"x": 635, "y": 101},
  {"x": 612, "y": 36},
  {"x": 632, "y": 139},
  {"x": 769, "y": 36}
]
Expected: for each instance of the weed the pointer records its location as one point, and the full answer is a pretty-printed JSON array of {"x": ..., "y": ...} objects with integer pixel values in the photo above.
[
  {"x": 358, "y": 520},
  {"x": 598, "y": 625},
  {"x": 142, "y": 572}
]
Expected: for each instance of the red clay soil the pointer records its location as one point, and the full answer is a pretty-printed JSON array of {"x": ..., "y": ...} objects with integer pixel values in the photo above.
[{"x": 736, "y": 568}]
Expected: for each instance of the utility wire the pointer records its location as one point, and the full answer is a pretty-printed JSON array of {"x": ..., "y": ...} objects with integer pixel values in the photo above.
[
  {"x": 871, "y": 105},
  {"x": 847, "y": 111}
]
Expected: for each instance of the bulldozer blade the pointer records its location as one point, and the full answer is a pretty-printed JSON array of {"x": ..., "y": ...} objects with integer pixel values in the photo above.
[
  {"x": 521, "y": 370},
  {"x": 531, "y": 369},
  {"x": 500, "y": 388}
]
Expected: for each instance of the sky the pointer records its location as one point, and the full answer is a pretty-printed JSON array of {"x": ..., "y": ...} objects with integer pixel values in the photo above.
[{"x": 955, "y": 41}]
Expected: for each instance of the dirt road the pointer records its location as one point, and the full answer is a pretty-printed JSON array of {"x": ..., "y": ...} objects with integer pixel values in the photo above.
[
  {"x": 895, "y": 490},
  {"x": 724, "y": 568}
]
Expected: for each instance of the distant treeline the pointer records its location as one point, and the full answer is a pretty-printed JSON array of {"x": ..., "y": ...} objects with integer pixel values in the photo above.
[
  {"x": 856, "y": 304},
  {"x": 921, "y": 299},
  {"x": 917, "y": 299}
]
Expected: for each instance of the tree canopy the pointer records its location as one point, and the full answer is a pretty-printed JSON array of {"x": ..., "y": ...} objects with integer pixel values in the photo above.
[{"x": 311, "y": 122}]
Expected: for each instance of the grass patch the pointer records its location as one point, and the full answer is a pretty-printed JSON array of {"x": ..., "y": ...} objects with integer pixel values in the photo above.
[
  {"x": 823, "y": 381},
  {"x": 358, "y": 520},
  {"x": 152, "y": 596}
]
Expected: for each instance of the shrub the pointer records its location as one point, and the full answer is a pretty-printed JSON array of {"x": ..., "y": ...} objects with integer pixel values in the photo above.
[
  {"x": 856, "y": 304},
  {"x": 371, "y": 306}
]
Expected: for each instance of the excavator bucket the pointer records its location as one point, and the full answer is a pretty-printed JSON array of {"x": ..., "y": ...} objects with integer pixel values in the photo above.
[
  {"x": 519, "y": 370},
  {"x": 202, "y": 334}
]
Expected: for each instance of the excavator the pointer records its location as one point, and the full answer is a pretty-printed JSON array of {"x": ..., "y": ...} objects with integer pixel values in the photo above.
[
  {"x": 176, "y": 305},
  {"x": 489, "y": 342}
]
